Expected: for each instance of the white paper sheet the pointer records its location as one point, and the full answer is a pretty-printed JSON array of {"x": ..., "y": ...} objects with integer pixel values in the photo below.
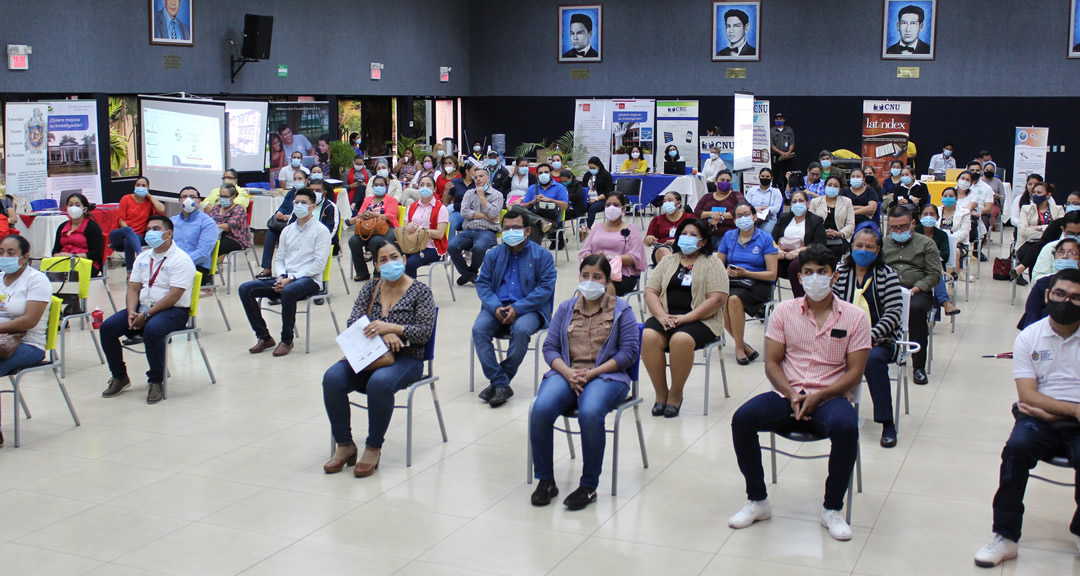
[{"x": 360, "y": 350}]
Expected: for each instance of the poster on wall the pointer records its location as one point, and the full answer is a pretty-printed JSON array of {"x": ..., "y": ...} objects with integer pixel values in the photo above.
[
  {"x": 581, "y": 33},
  {"x": 73, "y": 150},
  {"x": 1074, "y": 29},
  {"x": 908, "y": 30},
  {"x": 762, "y": 152},
  {"x": 592, "y": 130},
  {"x": 677, "y": 125},
  {"x": 1029, "y": 154},
  {"x": 25, "y": 147},
  {"x": 302, "y": 127},
  {"x": 736, "y": 31},
  {"x": 632, "y": 124},
  {"x": 886, "y": 128},
  {"x": 170, "y": 22}
]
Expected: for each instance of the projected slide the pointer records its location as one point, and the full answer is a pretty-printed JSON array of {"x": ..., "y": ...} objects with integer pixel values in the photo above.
[
  {"x": 247, "y": 135},
  {"x": 183, "y": 142},
  {"x": 744, "y": 131}
]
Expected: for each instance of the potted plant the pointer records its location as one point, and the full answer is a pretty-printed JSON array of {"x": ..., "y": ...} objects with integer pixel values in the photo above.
[{"x": 574, "y": 155}]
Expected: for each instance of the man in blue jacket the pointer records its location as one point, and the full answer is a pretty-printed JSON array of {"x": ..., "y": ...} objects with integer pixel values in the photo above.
[
  {"x": 516, "y": 287},
  {"x": 195, "y": 232}
]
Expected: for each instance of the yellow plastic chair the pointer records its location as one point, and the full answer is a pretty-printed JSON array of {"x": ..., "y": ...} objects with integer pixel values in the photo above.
[
  {"x": 321, "y": 296},
  {"x": 51, "y": 363},
  {"x": 83, "y": 267},
  {"x": 213, "y": 287}
]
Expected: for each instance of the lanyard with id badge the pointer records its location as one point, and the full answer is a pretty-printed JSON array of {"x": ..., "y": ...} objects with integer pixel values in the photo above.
[
  {"x": 685, "y": 276},
  {"x": 153, "y": 277}
]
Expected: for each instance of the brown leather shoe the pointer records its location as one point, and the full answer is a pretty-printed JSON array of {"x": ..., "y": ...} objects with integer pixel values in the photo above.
[
  {"x": 368, "y": 463},
  {"x": 345, "y": 455},
  {"x": 283, "y": 348},
  {"x": 261, "y": 345}
]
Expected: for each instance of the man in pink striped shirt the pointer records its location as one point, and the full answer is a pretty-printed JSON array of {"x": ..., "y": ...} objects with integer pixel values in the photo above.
[{"x": 815, "y": 354}]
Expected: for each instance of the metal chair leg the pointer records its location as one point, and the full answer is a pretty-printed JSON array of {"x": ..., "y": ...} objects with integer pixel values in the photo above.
[
  {"x": 569, "y": 437},
  {"x": 224, "y": 316},
  {"x": 615, "y": 455},
  {"x": 67, "y": 398},
  {"x": 213, "y": 379},
  {"x": 438, "y": 412},
  {"x": 641, "y": 437},
  {"x": 772, "y": 454},
  {"x": 707, "y": 352},
  {"x": 472, "y": 362}
]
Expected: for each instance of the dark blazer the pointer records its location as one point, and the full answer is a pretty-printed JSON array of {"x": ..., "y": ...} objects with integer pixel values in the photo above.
[
  {"x": 920, "y": 48},
  {"x": 95, "y": 243},
  {"x": 604, "y": 185},
  {"x": 576, "y": 194},
  {"x": 590, "y": 53},
  {"x": 161, "y": 27},
  {"x": 814, "y": 226},
  {"x": 747, "y": 50},
  {"x": 501, "y": 180}
]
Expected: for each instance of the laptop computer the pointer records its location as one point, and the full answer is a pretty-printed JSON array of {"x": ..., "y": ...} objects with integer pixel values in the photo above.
[{"x": 678, "y": 168}]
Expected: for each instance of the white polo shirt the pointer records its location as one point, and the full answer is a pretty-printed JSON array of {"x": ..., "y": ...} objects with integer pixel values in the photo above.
[
  {"x": 1053, "y": 361},
  {"x": 172, "y": 268}
]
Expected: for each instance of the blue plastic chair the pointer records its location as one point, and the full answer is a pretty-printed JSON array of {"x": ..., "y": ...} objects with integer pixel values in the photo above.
[{"x": 43, "y": 204}]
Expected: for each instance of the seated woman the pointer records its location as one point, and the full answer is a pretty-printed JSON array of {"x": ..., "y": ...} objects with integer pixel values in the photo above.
[
  {"x": 663, "y": 228},
  {"x": 402, "y": 313},
  {"x": 25, "y": 294},
  {"x": 381, "y": 206},
  {"x": 685, "y": 296},
  {"x": 231, "y": 219},
  {"x": 617, "y": 237},
  {"x": 1066, "y": 256},
  {"x": 911, "y": 192},
  {"x": 1033, "y": 220},
  {"x": 864, "y": 199},
  {"x": 794, "y": 231},
  {"x": 866, "y": 281},
  {"x": 598, "y": 184},
  {"x": 427, "y": 214},
  {"x": 230, "y": 176},
  {"x": 750, "y": 257},
  {"x": 635, "y": 164},
  {"x": 591, "y": 345},
  {"x": 520, "y": 181},
  {"x": 929, "y": 223},
  {"x": 839, "y": 215},
  {"x": 717, "y": 208},
  {"x": 393, "y": 185},
  {"x": 80, "y": 236}
]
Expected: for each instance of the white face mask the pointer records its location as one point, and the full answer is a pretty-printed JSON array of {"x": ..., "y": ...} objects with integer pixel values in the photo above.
[
  {"x": 189, "y": 205},
  {"x": 591, "y": 290},
  {"x": 635, "y": 155},
  {"x": 75, "y": 212},
  {"x": 713, "y": 155},
  {"x": 449, "y": 169},
  {"x": 816, "y": 286}
]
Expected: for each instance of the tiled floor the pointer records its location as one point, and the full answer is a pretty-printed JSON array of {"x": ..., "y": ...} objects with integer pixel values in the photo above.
[{"x": 227, "y": 478}]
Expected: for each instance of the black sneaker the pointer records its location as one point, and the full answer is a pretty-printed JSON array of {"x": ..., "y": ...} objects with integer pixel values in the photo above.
[
  {"x": 920, "y": 377},
  {"x": 545, "y": 491},
  {"x": 133, "y": 340},
  {"x": 1, "y": 439},
  {"x": 487, "y": 393},
  {"x": 1021, "y": 281},
  {"x": 888, "y": 435},
  {"x": 116, "y": 386},
  {"x": 463, "y": 280},
  {"x": 580, "y": 498},
  {"x": 500, "y": 396},
  {"x": 155, "y": 394}
]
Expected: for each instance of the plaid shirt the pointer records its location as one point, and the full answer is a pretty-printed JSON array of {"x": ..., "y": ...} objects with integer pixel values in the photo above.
[
  {"x": 236, "y": 217},
  {"x": 470, "y": 205}
]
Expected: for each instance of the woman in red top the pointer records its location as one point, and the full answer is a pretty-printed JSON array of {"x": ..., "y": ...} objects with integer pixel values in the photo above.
[
  {"x": 661, "y": 232},
  {"x": 80, "y": 236},
  {"x": 450, "y": 173},
  {"x": 357, "y": 177},
  {"x": 135, "y": 210}
]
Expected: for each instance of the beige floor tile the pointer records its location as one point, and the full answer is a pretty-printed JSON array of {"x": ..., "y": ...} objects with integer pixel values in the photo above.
[
  {"x": 727, "y": 565},
  {"x": 26, "y": 512},
  {"x": 281, "y": 513},
  {"x": 403, "y": 533},
  {"x": 185, "y": 496},
  {"x": 22, "y": 560},
  {"x": 203, "y": 550},
  {"x": 261, "y": 466},
  {"x": 894, "y": 554},
  {"x": 103, "y": 533},
  {"x": 97, "y": 481},
  {"x": 503, "y": 548},
  {"x": 599, "y": 555},
  {"x": 312, "y": 558},
  {"x": 800, "y": 542}
]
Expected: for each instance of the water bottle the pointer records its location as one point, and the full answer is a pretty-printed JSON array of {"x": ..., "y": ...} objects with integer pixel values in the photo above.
[{"x": 97, "y": 317}]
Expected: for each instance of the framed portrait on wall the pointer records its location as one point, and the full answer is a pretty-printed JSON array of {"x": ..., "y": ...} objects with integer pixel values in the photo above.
[
  {"x": 170, "y": 22},
  {"x": 736, "y": 31},
  {"x": 581, "y": 33},
  {"x": 1074, "y": 30},
  {"x": 908, "y": 30}
]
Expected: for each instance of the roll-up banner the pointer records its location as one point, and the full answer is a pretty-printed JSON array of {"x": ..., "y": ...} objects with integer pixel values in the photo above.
[
  {"x": 1029, "y": 155},
  {"x": 592, "y": 130},
  {"x": 885, "y": 131},
  {"x": 51, "y": 148},
  {"x": 632, "y": 124},
  {"x": 677, "y": 124}
]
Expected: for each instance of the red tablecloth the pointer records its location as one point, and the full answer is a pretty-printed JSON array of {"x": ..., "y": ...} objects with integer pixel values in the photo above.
[{"x": 106, "y": 217}]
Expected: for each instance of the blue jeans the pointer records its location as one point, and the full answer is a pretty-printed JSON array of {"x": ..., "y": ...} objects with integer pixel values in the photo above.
[
  {"x": 768, "y": 225},
  {"x": 1031, "y": 440},
  {"x": 555, "y": 399},
  {"x": 941, "y": 293},
  {"x": 479, "y": 241},
  {"x": 379, "y": 385},
  {"x": 771, "y": 412},
  {"x": 417, "y": 261},
  {"x": 25, "y": 355},
  {"x": 292, "y": 293},
  {"x": 456, "y": 220},
  {"x": 269, "y": 244},
  {"x": 877, "y": 380},
  {"x": 520, "y": 332},
  {"x": 116, "y": 326},
  {"x": 127, "y": 240}
]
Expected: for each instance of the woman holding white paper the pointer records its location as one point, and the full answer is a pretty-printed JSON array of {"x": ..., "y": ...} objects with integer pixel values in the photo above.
[{"x": 402, "y": 313}]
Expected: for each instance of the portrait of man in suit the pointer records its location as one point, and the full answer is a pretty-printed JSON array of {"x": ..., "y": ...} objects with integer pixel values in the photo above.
[
  {"x": 909, "y": 30},
  {"x": 579, "y": 34},
  {"x": 735, "y": 24},
  {"x": 1074, "y": 30},
  {"x": 171, "y": 22},
  {"x": 736, "y": 28}
]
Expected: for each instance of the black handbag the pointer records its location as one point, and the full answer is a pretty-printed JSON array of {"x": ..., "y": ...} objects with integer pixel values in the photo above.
[{"x": 276, "y": 225}]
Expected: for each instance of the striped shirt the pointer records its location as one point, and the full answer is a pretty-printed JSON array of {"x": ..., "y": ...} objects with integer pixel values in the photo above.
[{"x": 815, "y": 358}]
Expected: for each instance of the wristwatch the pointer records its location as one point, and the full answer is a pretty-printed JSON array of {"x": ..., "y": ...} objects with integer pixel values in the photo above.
[{"x": 147, "y": 314}]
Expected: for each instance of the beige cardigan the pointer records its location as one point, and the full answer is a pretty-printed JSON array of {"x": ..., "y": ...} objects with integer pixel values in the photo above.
[
  {"x": 845, "y": 213},
  {"x": 1028, "y": 228},
  {"x": 709, "y": 275}
]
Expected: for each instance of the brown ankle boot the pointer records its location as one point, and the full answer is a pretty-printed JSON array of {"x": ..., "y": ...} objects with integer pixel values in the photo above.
[
  {"x": 345, "y": 455},
  {"x": 368, "y": 463}
]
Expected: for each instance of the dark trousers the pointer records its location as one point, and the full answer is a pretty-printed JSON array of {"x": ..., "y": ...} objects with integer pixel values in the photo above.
[
  {"x": 379, "y": 385},
  {"x": 594, "y": 209},
  {"x": 269, "y": 244},
  {"x": 116, "y": 326},
  {"x": 294, "y": 292},
  {"x": 626, "y": 285},
  {"x": 1031, "y": 440},
  {"x": 127, "y": 240},
  {"x": 771, "y": 412},
  {"x": 790, "y": 269},
  {"x": 1028, "y": 254},
  {"x": 356, "y": 247},
  {"x": 921, "y": 305},
  {"x": 476, "y": 241},
  {"x": 877, "y": 379},
  {"x": 417, "y": 261},
  {"x": 228, "y": 246}
]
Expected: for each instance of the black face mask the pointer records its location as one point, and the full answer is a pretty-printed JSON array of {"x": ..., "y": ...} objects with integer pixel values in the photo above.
[
  {"x": 1065, "y": 313},
  {"x": 989, "y": 173},
  {"x": 765, "y": 182}
]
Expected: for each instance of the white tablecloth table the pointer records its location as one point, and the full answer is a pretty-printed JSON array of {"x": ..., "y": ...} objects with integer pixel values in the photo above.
[
  {"x": 262, "y": 208},
  {"x": 691, "y": 187},
  {"x": 41, "y": 233}
]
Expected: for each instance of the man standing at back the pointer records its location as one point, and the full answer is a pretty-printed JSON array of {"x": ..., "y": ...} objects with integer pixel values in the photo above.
[{"x": 917, "y": 262}]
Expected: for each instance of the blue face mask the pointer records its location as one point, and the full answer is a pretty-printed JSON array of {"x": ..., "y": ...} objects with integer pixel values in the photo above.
[
  {"x": 523, "y": 170},
  {"x": 863, "y": 258},
  {"x": 379, "y": 190},
  {"x": 594, "y": 171},
  {"x": 544, "y": 178},
  {"x": 745, "y": 222},
  {"x": 9, "y": 264},
  {"x": 832, "y": 191},
  {"x": 295, "y": 162},
  {"x": 673, "y": 153},
  {"x": 948, "y": 202},
  {"x": 826, "y": 163},
  {"x": 667, "y": 208},
  {"x": 493, "y": 162},
  {"x": 688, "y": 244},
  {"x": 901, "y": 237},
  {"x": 556, "y": 164},
  {"x": 392, "y": 270},
  {"x": 513, "y": 237},
  {"x": 1072, "y": 208},
  {"x": 856, "y": 182},
  {"x": 316, "y": 176},
  {"x": 928, "y": 222},
  {"x": 905, "y": 179},
  {"x": 426, "y": 192},
  {"x": 779, "y": 123},
  {"x": 154, "y": 238},
  {"x": 895, "y": 172},
  {"x": 1059, "y": 265},
  {"x": 225, "y": 202},
  {"x": 798, "y": 209},
  {"x": 141, "y": 191}
]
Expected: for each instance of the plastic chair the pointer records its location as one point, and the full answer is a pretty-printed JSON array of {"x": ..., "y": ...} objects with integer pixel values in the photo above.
[
  {"x": 51, "y": 363},
  {"x": 341, "y": 248},
  {"x": 633, "y": 401},
  {"x": 447, "y": 266},
  {"x": 427, "y": 379},
  {"x": 560, "y": 236},
  {"x": 43, "y": 204},
  {"x": 232, "y": 257},
  {"x": 639, "y": 293},
  {"x": 321, "y": 296},
  {"x": 907, "y": 348},
  {"x": 83, "y": 268},
  {"x": 536, "y": 344},
  {"x": 213, "y": 287},
  {"x": 707, "y": 351}
]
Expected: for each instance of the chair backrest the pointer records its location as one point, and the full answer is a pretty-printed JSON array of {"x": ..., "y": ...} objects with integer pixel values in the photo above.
[
  {"x": 951, "y": 257},
  {"x": 43, "y": 204},
  {"x": 83, "y": 267},
  {"x": 401, "y": 213},
  {"x": 628, "y": 186},
  {"x": 214, "y": 257},
  {"x": 195, "y": 287},
  {"x": 326, "y": 273},
  {"x": 905, "y": 295},
  {"x": 55, "y": 307},
  {"x": 634, "y": 370}
]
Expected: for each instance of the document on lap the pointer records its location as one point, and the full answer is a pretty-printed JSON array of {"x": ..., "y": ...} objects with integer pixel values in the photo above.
[{"x": 360, "y": 350}]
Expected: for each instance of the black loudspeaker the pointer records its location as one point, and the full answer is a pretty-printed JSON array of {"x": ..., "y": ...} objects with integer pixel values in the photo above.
[{"x": 257, "y": 32}]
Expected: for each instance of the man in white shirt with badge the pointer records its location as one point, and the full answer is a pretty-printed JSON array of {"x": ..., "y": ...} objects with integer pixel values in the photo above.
[
  {"x": 1046, "y": 367},
  {"x": 298, "y": 269},
  {"x": 158, "y": 302},
  {"x": 940, "y": 163}
]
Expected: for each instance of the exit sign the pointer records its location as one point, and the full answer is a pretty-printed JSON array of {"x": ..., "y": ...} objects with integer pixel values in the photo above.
[
  {"x": 282, "y": 71},
  {"x": 18, "y": 62}
]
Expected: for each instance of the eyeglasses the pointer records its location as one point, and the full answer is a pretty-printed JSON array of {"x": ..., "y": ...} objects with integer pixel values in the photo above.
[
  {"x": 1059, "y": 295},
  {"x": 1067, "y": 254},
  {"x": 901, "y": 228}
]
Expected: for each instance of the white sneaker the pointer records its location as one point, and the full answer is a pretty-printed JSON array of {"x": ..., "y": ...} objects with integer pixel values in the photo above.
[
  {"x": 751, "y": 512},
  {"x": 996, "y": 551},
  {"x": 834, "y": 521},
  {"x": 1077, "y": 538}
]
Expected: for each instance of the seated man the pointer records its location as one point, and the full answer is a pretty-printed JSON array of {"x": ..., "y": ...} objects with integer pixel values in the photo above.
[
  {"x": 298, "y": 268},
  {"x": 516, "y": 286},
  {"x": 547, "y": 198},
  {"x": 917, "y": 262},
  {"x": 158, "y": 302},
  {"x": 815, "y": 353},
  {"x": 195, "y": 232},
  {"x": 134, "y": 211},
  {"x": 1046, "y": 367},
  {"x": 325, "y": 210},
  {"x": 1070, "y": 228},
  {"x": 480, "y": 209}
]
